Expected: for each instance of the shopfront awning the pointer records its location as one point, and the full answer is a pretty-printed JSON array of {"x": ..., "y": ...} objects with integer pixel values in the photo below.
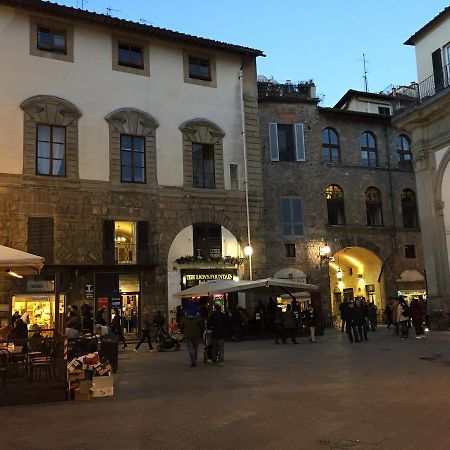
[
  {"x": 14, "y": 261},
  {"x": 270, "y": 287}
]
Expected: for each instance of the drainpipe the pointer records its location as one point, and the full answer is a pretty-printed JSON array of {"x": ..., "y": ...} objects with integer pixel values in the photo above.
[
  {"x": 391, "y": 190},
  {"x": 244, "y": 142}
]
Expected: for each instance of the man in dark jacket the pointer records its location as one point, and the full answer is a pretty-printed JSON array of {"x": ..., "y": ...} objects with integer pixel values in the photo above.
[
  {"x": 361, "y": 313},
  {"x": 218, "y": 324},
  {"x": 343, "y": 310},
  {"x": 146, "y": 327},
  {"x": 290, "y": 324},
  {"x": 192, "y": 327},
  {"x": 350, "y": 323}
]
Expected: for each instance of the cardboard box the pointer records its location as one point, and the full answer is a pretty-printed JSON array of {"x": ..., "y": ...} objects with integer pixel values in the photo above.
[
  {"x": 82, "y": 395},
  {"x": 102, "y": 386},
  {"x": 78, "y": 375},
  {"x": 85, "y": 385}
]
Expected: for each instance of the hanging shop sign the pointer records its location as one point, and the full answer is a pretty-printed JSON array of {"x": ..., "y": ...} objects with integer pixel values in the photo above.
[
  {"x": 192, "y": 277},
  {"x": 89, "y": 292},
  {"x": 40, "y": 286}
]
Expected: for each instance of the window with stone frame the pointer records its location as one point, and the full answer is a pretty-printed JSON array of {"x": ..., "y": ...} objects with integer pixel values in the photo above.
[
  {"x": 289, "y": 250},
  {"x": 203, "y": 175},
  {"x": 287, "y": 142},
  {"x": 368, "y": 149},
  {"x": 132, "y": 146},
  {"x": 403, "y": 152},
  {"x": 409, "y": 208},
  {"x": 373, "y": 207},
  {"x": 292, "y": 216},
  {"x": 330, "y": 146},
  {"x": 203, "y": 154},
  {"x": 335, "y": 205},
  {"x": 50, "y": 137},
  {"x": 51, "y": 40},
  {"x": 410, "y": 251},
  {"x": 132, "y": 159},
  {"x": 199, "y": 68},
  {"x": 207, "y": 240},
  {"x": 131, "y": 55}
]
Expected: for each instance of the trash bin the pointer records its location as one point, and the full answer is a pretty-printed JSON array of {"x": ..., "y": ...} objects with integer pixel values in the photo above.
[{"x": 109, "y": 348}]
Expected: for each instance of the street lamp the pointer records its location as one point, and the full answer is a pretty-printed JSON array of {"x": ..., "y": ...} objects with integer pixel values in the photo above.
[
  {"x": 339, "y": 274},
  {"x": 248, "y": 250}
]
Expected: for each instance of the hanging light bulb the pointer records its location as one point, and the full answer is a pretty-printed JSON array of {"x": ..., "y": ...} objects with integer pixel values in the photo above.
[{"x": 339, "y": 274}]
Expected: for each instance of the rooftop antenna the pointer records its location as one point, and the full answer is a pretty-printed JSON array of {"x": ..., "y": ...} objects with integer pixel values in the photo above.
[
  {"x": 109, "y": 10},
  {"x": 82, "y": 3},
  {"x": 366, "y": 85},
  {"x": 145, "y": 22}
]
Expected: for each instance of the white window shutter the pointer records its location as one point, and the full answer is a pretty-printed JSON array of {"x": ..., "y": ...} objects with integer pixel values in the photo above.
[
  {"x": 273, "y": 142},
  {"x": 299, "y": 137}
]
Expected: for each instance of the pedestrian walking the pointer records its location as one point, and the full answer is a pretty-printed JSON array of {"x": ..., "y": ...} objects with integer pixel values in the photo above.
[
  {"x": 290, "y": 324},
  {"x": 192, "y": 326},
  {"x": 389, "y": 313},
  {"x": 146, "y": 329},
  {"x": 403, "y": 317},
  {"x": 218, "y": 323},
  {"x": 343, "y": 308},
  {"x": 350, "y": 323},
  {"x": 373, "y": 320},
  {"x": 417, "y": 317},
  {"x": 311, "y": 323},
  {"x": 279, "y": 327},
  {"x": 117, "y": 327},
  {"x": 361, "y": 313}
]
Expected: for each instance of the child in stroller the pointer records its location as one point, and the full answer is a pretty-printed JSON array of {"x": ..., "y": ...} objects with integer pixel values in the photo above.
[{"x": 167, "y": 341}]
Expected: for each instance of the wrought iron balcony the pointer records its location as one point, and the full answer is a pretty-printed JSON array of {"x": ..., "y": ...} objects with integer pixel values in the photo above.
[
  {"x": 406, "y": 97},
  {"x": 272, "y": 89}
]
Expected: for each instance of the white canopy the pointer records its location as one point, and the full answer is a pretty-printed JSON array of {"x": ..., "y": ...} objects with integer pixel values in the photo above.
[
  {"x": 19, "y": 262},
  {"x": 265, "y": 286}
]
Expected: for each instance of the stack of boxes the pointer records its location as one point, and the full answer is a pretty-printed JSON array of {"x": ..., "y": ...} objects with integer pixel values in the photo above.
[{"x": 90, "y": 377}]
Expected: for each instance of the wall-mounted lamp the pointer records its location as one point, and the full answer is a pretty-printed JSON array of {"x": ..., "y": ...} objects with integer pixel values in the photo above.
[
  {"x": 14, "y": 274},
  {"x": 248, "y": 250},
  {"x": 339, "y": 274}
]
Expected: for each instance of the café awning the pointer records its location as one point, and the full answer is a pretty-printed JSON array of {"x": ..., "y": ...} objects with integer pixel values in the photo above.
[
  {"x": 266, "y": 286},
  {"x": 14, "y": 261}
]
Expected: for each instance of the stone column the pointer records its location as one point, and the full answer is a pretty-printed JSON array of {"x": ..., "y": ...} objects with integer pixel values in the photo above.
[{"x": 432, "y": 230}]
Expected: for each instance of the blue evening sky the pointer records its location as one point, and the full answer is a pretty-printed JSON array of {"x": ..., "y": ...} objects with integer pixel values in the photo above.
[{"x": 322, "y": 39}]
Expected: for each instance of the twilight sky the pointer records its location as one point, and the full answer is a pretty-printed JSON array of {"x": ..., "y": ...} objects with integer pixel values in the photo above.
[{"x": 322, "y": 39}]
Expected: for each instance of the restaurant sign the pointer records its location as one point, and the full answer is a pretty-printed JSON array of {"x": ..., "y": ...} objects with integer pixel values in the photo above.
[
  {"x": 193, "y": 277},
  {"x": 40, "y": 286},
  {"x": 209, "y": 276}
]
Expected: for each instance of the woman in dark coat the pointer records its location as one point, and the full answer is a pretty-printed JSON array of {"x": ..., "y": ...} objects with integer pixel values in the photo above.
[
  {"x": 417, "y": 316},
  {"x": 311, "y": 323}
]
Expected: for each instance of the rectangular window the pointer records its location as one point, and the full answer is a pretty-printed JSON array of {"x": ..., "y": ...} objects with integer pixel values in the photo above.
[
  {"x": 51, "y": 40},
  {"x": 199, "y": 68},
  {"x": 291, "y": 216},
  {"x": 287, "y": 142},
  {"x": 131, "y": 56},
  {"x": 125, "y": 242},
  {"x": 234, "y": 177},
  {"x": 384, "y": 110},
  {"x": 289, "y": 250},
  {"x": 132, "y": 159},
  {"x": 50, "y": 150},
  {"x": 207, "y": 240},
  {"x": 348, "y": 295},
  {"x": 40, "y": 237},
  {"x": 203, "y": 166},
  {"x": 410, "y": 251}
]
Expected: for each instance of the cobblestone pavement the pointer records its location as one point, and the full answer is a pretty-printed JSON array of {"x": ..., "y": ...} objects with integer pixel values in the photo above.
[{"x": 383, "y": 394}]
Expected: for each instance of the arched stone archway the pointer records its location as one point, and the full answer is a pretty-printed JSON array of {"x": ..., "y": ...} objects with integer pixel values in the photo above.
[
  {"x": 357, "y": 241},
  {"x": 197, "y": 216}
]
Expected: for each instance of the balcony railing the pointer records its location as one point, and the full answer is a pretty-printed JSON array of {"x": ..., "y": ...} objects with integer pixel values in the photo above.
[
  {"x": 298, "y": 90},
  {"x": 408, "y": 96}
]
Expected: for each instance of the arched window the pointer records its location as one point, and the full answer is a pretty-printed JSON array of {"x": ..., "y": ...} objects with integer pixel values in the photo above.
[
  {"x": 368, "y": 149},
  {"x": 330, "y": 146},
  {"x": 409, "y": 209},
  {"x": 335, "y": 205},
  {"x": 373, "y": 207},
  {"x": 403, "y": 152}
]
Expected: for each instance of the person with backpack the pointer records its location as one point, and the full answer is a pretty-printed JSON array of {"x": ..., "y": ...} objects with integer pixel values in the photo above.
[{"x": 403, "y": 316}]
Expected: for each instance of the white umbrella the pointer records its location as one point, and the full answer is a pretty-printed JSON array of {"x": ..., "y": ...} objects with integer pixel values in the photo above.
[{"x": 14, "y": 261}]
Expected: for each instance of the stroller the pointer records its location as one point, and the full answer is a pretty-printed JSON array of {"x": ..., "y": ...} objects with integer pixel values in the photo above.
[{"x": 167, "y": 341}]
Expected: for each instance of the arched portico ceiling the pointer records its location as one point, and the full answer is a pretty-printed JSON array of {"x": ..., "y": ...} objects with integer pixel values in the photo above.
[
  {"x": 356, "y": 241},
  {"x": 443, "y": 167}
]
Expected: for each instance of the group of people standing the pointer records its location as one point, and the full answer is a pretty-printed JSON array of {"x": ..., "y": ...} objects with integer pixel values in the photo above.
[
  {"x": 400, "y": 315},
  {"x": 357, "y": 317}
]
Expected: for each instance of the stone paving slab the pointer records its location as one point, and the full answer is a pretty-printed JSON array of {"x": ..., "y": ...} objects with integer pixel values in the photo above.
[{"x": 384, "y": 394}]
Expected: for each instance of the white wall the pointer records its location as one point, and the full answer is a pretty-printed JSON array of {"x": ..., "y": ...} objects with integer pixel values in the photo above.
[
  {"x": 91, "y": 85},
  {"x": 368, "y": 106},
  {"x": 437, "y": 38}
]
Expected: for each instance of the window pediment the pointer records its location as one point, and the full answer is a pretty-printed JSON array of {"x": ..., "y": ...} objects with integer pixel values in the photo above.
[
  {"x": 202, "y": 131},
  {"x": 50, "y": 110},
  {"x": 132, "y": 121}
]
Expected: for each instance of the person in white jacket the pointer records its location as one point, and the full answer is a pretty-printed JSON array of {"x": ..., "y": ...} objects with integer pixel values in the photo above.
[{"x": 404, "y": 314}]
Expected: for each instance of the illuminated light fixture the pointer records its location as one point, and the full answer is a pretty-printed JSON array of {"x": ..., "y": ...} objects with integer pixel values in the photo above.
[
  {"x": 339, "y": 274},
  {"x": 235, "y": 278},
  {"x": 359, "y": 275},
  {"x": 14, "y": 274},
  {"x": 325, "y": 250},
  {"x": 248, "y": 250}
]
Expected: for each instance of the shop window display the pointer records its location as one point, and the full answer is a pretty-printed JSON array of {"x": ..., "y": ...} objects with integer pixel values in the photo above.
[{"x": 40, "y": 310}]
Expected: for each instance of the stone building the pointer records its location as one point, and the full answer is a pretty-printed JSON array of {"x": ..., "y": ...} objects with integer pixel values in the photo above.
[
  {"x": 425, "y": 114},
  {"x": 339, "y": 194},
  {"x": 122, "y": 160}
]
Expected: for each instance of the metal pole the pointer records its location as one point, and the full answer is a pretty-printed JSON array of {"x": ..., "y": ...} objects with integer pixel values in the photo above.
[{"x": 244, "y": 142}]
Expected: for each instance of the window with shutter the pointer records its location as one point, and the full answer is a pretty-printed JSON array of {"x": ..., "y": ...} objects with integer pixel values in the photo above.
[
  {"x": 273, "y": 142},
  {"x": 40, "y": 237},
  {"x": 108, "y": 242},
  {"x": 299, "y": 133},
  {"x": 287, "y": 142},
  {"x": 143, "y": 243}
]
